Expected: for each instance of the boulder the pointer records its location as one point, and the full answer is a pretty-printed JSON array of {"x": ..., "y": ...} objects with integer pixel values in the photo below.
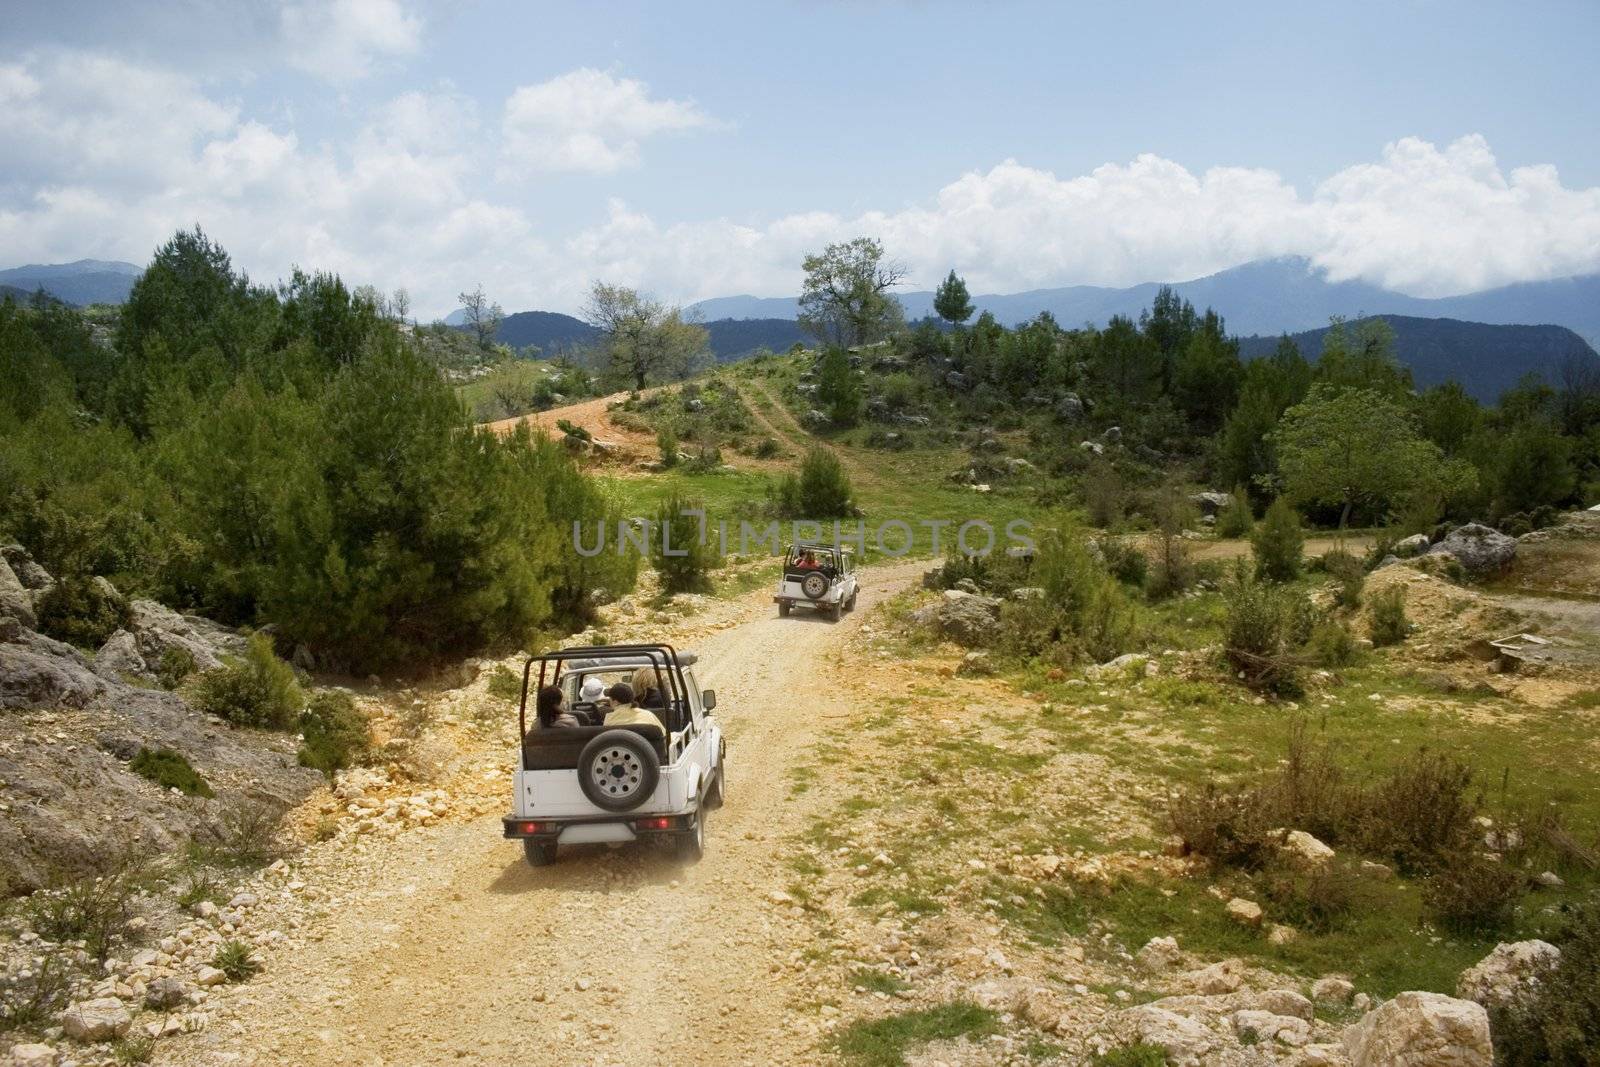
[
  {"x": 1506, "y": 974},
  {"x": 1331, "y": 990},
  {"x": 101, "y": 1019},
  {"x": 164, "y": 994},
  {"x": 1245, "y": 912},
  {"x": 34, "y": 678},
  {"x": 963, "y": 617},
  {"x": 1185, "y": 1042},
  {"x": 1414, "y": 545},
  {"x": 158, "y": 628},
  {"x": 33, "y": 577},
  {"x": 1478, "y": 548},
  {"x": 32, "y": 1054},
  {"x": 1222, "y": 977},
  {"x": 1070, "y": 407},
  {"x": 15, "y": 600},
  {"x": 814, "y": 417},
  {"x": 119, "y": 657},
  {"x": 1159, "y": 954},
  {"x": 1094, "y": 447},
  {"x": 1284, "y": 1002},
  {"x": 1265, "y": 1026},
  {"x": 1305, "y": 850},
  {"x": 1122, "y": 667},
  {"x": 1421, "y": 1030},
  {"x": 956, "y": 380},
  {"x": 1211, "y": 503},
  {"x": 1112, "y": 436}
]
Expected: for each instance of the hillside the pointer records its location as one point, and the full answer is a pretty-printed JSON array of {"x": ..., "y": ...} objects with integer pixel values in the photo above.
[
  {"x": 551, "y": 331},
  {"x": 1263, "y": 297},
  {"x": 1486, "y": 359},
  {"x": 86, "y": 281},
  {"x": 731, "y": 339}
]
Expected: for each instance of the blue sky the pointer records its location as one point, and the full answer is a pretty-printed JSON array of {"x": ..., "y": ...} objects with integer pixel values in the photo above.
[{"x": 698, "y": 150}]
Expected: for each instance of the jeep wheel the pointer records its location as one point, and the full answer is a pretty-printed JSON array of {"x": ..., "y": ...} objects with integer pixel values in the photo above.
[
  {"x": 714, "y": 790},
  {"x": 783, "y": 609},
  {"x": 539, "y": 853},
  {"x": 618, "y": 770},
  {"x": 836, "y": 611},
  {"x": 691, "y": 845},
  {"x": 814, "y": 585},
  {"x": 850, "y": 605}
]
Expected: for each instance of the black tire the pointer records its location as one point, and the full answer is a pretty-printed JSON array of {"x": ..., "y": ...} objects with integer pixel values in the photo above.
[
  {"x": 714, "y": 797},
  {"x": 836, "y": 611},
  {"x": 618, "y": 770},
  {"x": 850, "y": 605},
  {"x": 690, "y": 845},
  {"x": 814, "y": 585},
  {"x": 783, "y": 609},
  {"x": 539, "y": 853}
]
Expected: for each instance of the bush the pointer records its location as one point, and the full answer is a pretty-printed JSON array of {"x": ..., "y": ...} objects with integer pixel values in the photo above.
[
  {"x": 31, "y": 998},
  {"x": 1235, "y": 520},
  {"x": 1259, "y": 631},
  {"x": 1387, "y": 621},
  {"x": 1084, "y": 610},
  {"x": 1558, "y": 1020},
  {"x": 170, "y": 770},
  {"x": 821, "y": 490},
  {"x": 766, "y": 448},
  {"x": 505, "y": 683},
  {"x": 1133, "y": 1054},
  {"x": 682, "y": 558},
  {"x": 1331, "y": 644},
  {"x": 334, "y": 732},
  {"x": 1278, "y": 542},
  {"x": 1349, "y": 572},
  {"x": 82, "y": 612},
  {"x": 1420, "y": 813},
  {"x": 249, "y": 834},
  {"x": 1229, "y": 828},
  {"x": 1320, "y": 898},
  {"x": 1105, "y": 494},
  {"x": 1125, "y": 560},
  {"x": 1472, "y": 896},
  {"x": 236, "y": 960},
  {"x": 175, "y": 666},
  {"x": 135, "y": 1048},
  {"x": 667, "y": 444},
  {"x": 94, "y": 908},
  {"x": 260, "y": 690}
]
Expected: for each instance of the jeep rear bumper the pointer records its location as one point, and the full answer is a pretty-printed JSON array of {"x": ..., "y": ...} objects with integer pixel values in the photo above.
[{"x": 596, "y": 828}]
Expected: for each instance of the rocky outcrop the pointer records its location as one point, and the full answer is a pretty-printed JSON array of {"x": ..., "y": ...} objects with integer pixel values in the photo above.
[
  {"x": 158, "y": 628},
  {"x": 1478, "y": 548},
  {"x": 39, "y": 672},
  {"x": 1414, "y": 545},
  {"x": 1508, "y": 973},
  {"x": 101, "y": 1019},
  {"x": 1421, "y": 1030},
  {"x": 15, "y": 600},
  {"x": 967, "y": 618}
]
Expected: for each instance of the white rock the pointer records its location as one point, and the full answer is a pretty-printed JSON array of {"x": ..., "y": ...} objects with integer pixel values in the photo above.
[
  {"x": 1307, "y": 850},
  {"x": 1185, "y": 1042},
  {"x": 1223, "y": 977},
  {"x": 1268, "y": 1027},
  {"x": 96, "y": 1020},
  {"x": 1159, "y": 954},
  {"x": 1549, "y": 879},
  {"x": 1244, "y": 911},
  {"x": 1332, "y": 990},
  {"x": 1508, "y": 972},
  {"x": 32, "y": 1054},
  {"x": 1284, "y": 1002},
  {"x": 209, "y": 976},
  {"x": 1421, "y": 1030}
]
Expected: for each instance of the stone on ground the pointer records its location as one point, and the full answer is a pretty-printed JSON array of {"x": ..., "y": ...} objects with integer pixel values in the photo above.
[{"x": 1421, "y": 1030}]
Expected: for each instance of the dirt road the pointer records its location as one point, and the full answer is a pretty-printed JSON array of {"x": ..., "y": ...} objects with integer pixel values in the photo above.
[
  {"x": 443, "y": 946},
  {"x": 625, "y": 445}
]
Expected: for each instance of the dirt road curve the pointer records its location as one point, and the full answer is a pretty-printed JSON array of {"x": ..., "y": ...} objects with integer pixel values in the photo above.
[{"x": 458, "y": 952}]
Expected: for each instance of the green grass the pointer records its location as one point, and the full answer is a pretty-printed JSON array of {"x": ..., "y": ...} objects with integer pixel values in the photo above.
[
  {"x": 884, "y": 1042},
  {"x": 170, "y": 770},
  {"x": 1137, "y": 1054},
  {"x": 879, "y": 982}
]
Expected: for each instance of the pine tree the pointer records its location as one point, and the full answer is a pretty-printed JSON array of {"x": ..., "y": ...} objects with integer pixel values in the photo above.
[{"x": 952, "y": 301}]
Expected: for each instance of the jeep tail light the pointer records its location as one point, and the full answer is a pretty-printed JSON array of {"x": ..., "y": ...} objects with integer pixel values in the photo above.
[
  {"x": 659, "y": 823},
  {"x": 532, "y": 827}
]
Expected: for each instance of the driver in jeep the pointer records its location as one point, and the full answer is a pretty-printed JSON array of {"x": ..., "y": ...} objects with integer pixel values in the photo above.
[
  {"x": 625, "y": 713},
  {"x": 807, "y": 562}
]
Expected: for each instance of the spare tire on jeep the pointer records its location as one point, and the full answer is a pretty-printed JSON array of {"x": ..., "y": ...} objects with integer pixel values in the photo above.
[
  {"x": 814, "y": 585},
  {"x": 618, "y": 770}
]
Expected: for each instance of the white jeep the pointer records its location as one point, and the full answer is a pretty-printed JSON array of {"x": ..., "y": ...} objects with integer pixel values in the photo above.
[
  {"x": 822, "y": 577},
  {"x": 593, "y": 783}
]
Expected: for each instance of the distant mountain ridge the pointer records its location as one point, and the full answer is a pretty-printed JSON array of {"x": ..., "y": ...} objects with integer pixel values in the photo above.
[
  {"x": 730, "y": 339},
  {"x": 1486, "y": 359},
  {"x": 86, "y": 281},
  {"x": 1268, "y": 296}
]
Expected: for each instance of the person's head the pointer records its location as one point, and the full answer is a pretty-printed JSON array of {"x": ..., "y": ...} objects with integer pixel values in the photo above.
[
  {"x": 620, "y": 694},
  {"x": 592, "y": 689},
  {"x": 644, "y": 680},
  {"x": 549, "y": 705}
]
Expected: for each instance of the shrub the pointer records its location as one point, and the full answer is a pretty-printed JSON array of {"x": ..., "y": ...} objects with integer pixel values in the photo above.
[
  {"x": 170, "y": 770},
  {"x": 1133, "y": 1054},
  {"x": 1387, "y": 621},
  {"x": 30, "y": 998},
  {"x": 236, "y": 960},
  {"x": 1421, "y": 812},
  {"x": 1229, "y": 828},
  {"x": 1331, "y": 644},
  {"x": 1472, "y": 895},
  {"x": 821, "y": 490},
  {"x": 82, "y": 611},
  {"x": 683, "y": 559},
  {"x": 505, "y": 683},
  {"x": 705, "y": 461},
  {"x": 249, "y": 834},
  {"x": 1349, "y": 572},
  {"x": 667, "y": 444},
  {"x": 1105, "y": 494},
  {"x": 573, "y": 431},
  {"x": 1173, "y": 571},
  {"x": 766, "y": 448},
  {"x": 259, "y": 690},
  {"x": 201, "y": 885},
  {"x": 1125, "y": 560},
  {"x": 1084, "y": 609},
  {"x": 1278, "y": 542},
  {"x": 95, "y": 908},
  {"x": 175, "y": 666},
  {"x": 1558, "y": 1020},
  {"x": 1320, "y": 898},
  {"x": 135, "y": 1048},
  {"x": 1258, "y": 629},
  {"x": 1235, "y": 520},
  {"x": 334, "y": 732}
]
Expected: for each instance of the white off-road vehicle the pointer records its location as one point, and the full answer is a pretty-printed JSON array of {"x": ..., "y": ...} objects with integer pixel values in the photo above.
[
  {"x": 593, "y": 783},
  {"x": 818, "y": 576}
]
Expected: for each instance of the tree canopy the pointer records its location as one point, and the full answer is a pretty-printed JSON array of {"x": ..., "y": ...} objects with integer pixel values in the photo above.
[
  {"x": 642, "y": 339},
  {"x": 845, "y": 298}
]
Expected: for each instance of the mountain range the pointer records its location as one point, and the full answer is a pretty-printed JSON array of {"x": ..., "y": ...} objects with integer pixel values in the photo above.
[
  {"x": 88, "y": 281},
  {"x": 1269, "y": 296}
]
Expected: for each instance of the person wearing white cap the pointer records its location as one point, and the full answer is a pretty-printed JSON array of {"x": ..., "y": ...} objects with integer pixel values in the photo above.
[{"x": 592, "y": 689}]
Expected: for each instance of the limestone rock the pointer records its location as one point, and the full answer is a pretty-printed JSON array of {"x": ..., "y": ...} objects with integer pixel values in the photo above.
[
  {"x": 1331, "y": 990},
  {"x": 1414, "y": 545},
  {"x": 164, "y": 994},
  {"x": 1421, "y": 1030},
  {"x": 1306, "y": 850},
  {"x": 14, "y": 597},
  {"x": 1510, "y": 971},
  {"x": 1478, "y": 548},
  {"x": 101, "y": 1019},
  {"x": 32, "y": 1054},
  {"x": 963, "y": 617},
  {"x": 1185, "y": 1042},
  {"x": 1266, "y": 1026},
  {"x": 1244, "y": 911},
  {"x": 119, "y": 657},
  {"x": 1223, "y": 977},
  {"x": 1159, "y": 954}
]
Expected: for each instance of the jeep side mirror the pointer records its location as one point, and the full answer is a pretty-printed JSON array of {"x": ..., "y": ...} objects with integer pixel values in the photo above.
[{"x": 708, "y": 699}]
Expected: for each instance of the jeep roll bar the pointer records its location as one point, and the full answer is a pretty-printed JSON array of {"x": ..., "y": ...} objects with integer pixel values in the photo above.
[{"x": 664, "y": 658}]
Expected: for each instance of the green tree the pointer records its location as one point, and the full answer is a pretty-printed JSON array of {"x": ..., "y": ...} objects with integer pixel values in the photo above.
[
  {"x": 1449, "y": 416},
  {"x": 1278, "y": 542},
  {"x": 1206, "y": 376},
  {"x": 1348, "y": 446},
  {"x": 821, "y": 489},
  {"x": 643, "y": 339},
  {"x": 845, "y": 297},
  {"x": 483, "y": 316},
  {"x": 1361, "y": 356},
  {"x": 951, "y": 301},
  {"x": 1534, "y": 468},
  {"x": 838, "y": 387},
  {"x": 1125, "y": 366},
  {"x": 680, "y": 550}
]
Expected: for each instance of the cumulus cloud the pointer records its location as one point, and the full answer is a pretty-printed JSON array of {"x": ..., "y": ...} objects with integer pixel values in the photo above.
[
  {"x": 588, "y": 120},
  {"x": 342, "y": 41},
  {"x": 106, "y": 159}
]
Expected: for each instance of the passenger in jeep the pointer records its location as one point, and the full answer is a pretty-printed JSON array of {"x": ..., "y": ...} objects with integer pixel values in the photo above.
[
  {"x": 625, "y": 713},
  {"x": 647, "y": 689},
  {"x": 552, "y": 715},
  {"x": 807, "y": 562}
]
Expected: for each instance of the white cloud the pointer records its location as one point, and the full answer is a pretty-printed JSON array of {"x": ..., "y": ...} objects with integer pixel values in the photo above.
[
  {"x": 106, "y": 159},
  {"x": 588, "y": 120},
  {"x": 341, "y": 41}
]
